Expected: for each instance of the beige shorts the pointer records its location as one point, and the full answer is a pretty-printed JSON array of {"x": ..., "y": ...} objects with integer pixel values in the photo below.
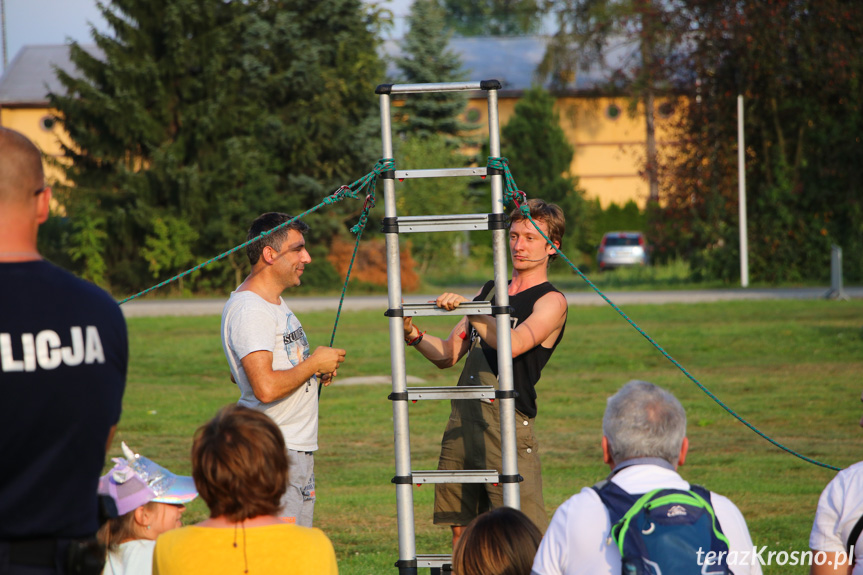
[{"x": 472, "y": 441}]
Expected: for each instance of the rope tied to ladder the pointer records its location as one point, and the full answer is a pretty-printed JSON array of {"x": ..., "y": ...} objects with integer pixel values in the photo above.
[
  {"x": 519, "y": 199},
  {"x": 358, "y": 230},
  {"x": 383, "y": 165},
  {"x": 351, "y": 191},
  {"x": 511, "y": 194}
]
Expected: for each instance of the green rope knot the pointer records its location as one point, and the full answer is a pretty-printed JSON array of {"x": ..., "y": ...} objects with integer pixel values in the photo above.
[
  {"x": 370, "y": 180},
  {"x": 384, "y": 165},
  {"x": 498, "y": 163},
  {"x": 339, "y": 195},
  {"x": 510, "y": 188},
  {"x": 518, "y": 199},
  {"x": 364, "y": 215}
]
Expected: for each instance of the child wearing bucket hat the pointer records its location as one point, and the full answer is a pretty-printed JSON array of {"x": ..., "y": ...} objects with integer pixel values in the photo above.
[{"x": 150, "y": 500}]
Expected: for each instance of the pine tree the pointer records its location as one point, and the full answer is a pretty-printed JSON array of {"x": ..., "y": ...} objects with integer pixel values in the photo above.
[
  {"x": 432, "y": 196},
  {"x": 428, "y": 59},
  {"x": 432, "y": 130},
  {"x": 211, "y": 113},
  {"x": 493, "y": 17},
  {"x": 540, "y": 157}
]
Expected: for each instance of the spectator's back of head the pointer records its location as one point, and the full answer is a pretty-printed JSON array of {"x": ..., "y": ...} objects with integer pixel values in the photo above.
[
  {"x": 21, "y": 172},
  {"x": 644, "y": 420},
  {"x": 240, "y": 464},
  {"x": 502, "y": 541}
]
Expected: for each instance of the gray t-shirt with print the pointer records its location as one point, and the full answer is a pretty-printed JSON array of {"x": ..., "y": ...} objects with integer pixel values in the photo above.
[{"x": 249, "y": 324}]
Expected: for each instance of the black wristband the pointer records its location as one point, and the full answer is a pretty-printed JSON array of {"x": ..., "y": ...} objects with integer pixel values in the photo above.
[{"x": 414, "y": 342}]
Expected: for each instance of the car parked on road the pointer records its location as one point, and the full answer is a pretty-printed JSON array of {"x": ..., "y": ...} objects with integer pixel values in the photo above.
[{"x": 622, "y": 249}]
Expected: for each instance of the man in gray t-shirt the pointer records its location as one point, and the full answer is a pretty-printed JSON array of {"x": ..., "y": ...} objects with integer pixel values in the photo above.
[{"x": 268, "y": 353}]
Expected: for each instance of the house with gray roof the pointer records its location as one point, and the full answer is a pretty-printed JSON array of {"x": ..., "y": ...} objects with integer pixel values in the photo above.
[{"x": 608, "y": 143}]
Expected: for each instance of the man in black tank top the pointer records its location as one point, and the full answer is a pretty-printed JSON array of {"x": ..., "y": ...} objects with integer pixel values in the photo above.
[{"x": 472, "y": 436}]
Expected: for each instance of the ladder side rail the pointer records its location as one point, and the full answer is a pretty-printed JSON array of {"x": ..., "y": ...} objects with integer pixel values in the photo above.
[
  {"x": 509, "y": 454},
  {"x": 401, "y": 426}
]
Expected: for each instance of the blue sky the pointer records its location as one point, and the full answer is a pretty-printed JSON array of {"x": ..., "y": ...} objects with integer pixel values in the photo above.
[{"x": 55, "y": 21}]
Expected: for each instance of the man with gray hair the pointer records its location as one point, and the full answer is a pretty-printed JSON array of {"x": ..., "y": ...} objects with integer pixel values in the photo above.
[{"x": 644, "y": 441}]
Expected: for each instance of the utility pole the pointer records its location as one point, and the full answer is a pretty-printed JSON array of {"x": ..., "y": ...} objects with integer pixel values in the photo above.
[
  {"x": 648, "y": 35},
  {"x": 741, "y": 194},
  {"x": 3, "y": 32}
]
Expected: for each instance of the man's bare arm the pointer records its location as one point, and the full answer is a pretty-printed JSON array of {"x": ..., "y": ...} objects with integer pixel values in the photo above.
[
  {"x": 543, "y": 325},
  {"x": 844, "y": 567},
  {"x": 270, "y": 385},
  {"x": 441, "y": 352}
]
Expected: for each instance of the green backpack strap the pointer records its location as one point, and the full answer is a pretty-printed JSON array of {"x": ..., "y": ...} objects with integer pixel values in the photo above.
[{"x": 688, "y": 497}]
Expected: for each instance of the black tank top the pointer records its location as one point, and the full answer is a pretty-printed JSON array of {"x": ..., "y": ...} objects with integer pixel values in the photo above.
[{"x": 527, "y": 367}]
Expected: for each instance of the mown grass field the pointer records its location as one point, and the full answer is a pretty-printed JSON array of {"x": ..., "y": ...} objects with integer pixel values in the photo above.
[{"x": 791, "y": 368}]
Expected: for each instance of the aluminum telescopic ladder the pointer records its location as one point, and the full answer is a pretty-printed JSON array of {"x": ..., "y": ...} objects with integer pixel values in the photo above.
[{"x": 409, "y": 561}]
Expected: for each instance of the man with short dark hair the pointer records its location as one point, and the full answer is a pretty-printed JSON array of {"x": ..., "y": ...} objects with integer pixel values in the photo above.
[
  {"x": 63, "y": 360},
  {"x": 472, "y": 436},
  {"x": 644, "y": 441},
  {"x": 268, "y": 353}
]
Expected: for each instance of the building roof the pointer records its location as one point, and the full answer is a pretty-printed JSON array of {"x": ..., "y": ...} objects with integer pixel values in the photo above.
[
  {"x": 512, "y": 60},
  {"x": 30, "y": 76}
]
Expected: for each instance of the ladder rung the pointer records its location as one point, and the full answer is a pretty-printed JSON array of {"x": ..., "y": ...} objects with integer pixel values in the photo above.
[
  {"x": 458, "y": 476},
  {"x": 451, "y": 392},
  {"x": 433, "y": 560},
  {"x": 434, "y": 87},
  {"x": 466, "y": 308},
  {"x": 446, "y": 223},
  {"x": 439, "y": 173}
]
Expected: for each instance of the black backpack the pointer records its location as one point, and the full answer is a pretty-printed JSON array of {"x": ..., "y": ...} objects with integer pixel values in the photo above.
[{"x": 665, "y": 531}]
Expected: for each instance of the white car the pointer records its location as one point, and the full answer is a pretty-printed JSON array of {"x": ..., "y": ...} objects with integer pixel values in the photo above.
[{"x": 622, "y": 249}]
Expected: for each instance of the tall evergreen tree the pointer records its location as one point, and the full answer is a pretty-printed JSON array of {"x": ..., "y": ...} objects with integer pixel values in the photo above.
[
  {"x": 493, "y": 17},
  {"x": 540, "y": 157},
  {"x": 210, "y": 113},
  {"x": 433, "y": 132},
  {"x": 431, "y": 196},
  {"x": 427, "y": 59}
]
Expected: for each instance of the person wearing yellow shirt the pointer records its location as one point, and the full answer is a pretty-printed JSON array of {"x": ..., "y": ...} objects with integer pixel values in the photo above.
[{"x": 240, "y": 467}]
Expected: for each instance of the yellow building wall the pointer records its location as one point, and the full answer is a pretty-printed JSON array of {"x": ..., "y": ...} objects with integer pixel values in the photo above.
[
  {"x": 609, "y": 149},
  {"x": 30, "y": 122}
]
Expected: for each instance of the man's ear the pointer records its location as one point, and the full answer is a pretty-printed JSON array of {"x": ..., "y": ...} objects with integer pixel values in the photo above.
[
  {"x": 606, "y": 452},
  {"x": 43, "y": 206},
  {"x": 684, "y": 449},
  {"x": 267, "y": 254}
]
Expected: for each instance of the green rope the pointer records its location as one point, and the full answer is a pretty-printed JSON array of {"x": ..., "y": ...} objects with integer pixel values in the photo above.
[
  {"x": 351, "y": 191},
  {"x": 384, "y": 165},
  {"x": 512, "y": 195}
]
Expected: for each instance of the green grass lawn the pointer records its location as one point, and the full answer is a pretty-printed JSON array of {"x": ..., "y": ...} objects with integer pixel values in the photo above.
[{"x": 791, "y": 368}]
